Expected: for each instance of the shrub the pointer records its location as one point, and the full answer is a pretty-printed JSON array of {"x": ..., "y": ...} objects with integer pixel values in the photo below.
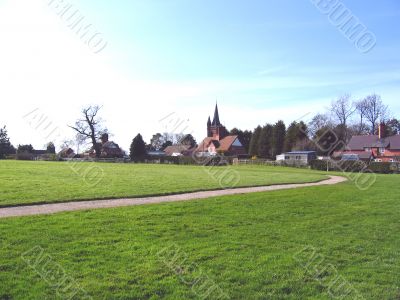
[
  {"x": 50, "y": 157},
  {"x": 322, "y": 165},
  {"x": 24, "y": 155},
  {"x": 382, "y": 167},
  {"x": 395, "y": 167},
  {"x": 189, "y": 160},
  {"x": 186, "y": 160},
  {"x": 293, "y": 164},
  {"x": 355, "y": 166}
]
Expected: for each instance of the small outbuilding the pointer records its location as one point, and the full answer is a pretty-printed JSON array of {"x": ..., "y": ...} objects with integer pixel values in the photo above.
[{"x": 303, "y": 157}]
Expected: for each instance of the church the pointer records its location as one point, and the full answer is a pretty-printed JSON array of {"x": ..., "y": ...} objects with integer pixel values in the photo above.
[{"x": 218, "y": 140}]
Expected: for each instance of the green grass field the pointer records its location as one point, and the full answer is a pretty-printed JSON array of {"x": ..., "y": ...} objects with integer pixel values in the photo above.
[
  {"x": 246, "y": 246},
  {"x": 47, "y": 182}
]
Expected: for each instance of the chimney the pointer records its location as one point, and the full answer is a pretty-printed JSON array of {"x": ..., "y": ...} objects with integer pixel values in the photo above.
[
  {"x": 104, "y": 138},
  {"x": 382, "y": 130}
]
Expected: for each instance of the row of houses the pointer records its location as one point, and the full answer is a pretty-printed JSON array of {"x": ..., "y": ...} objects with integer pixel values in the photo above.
[
  {"x": 377, "y": 148},
  {"x": 217, "y": 141}
]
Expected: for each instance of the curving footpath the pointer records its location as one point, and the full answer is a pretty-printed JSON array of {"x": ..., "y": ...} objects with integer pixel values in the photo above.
[{"x": 43, "y": 209}]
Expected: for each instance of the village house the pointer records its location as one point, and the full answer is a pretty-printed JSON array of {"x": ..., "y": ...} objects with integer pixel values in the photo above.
[
  {"x": 179, "y": 150},
  {"x": 218, "y": 140},
  {"x": 379, "y": 148},
  {"x": 66, "y": 153},
  {"x": 108, "y": 149}
]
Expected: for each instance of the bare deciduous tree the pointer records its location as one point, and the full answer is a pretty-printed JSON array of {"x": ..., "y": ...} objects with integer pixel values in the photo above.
[
  {"x": 361, "y": 128},
  {"x": 90, "y": 127},
  {"x": 343, "y": 109},
  {"x": 318, "y": 121},
  {"x": 373, "y": 110}
]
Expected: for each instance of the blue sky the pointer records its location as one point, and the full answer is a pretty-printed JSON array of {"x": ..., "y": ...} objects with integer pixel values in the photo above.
[
  {"x": 262, "y": 60},
  {"x": 247, "y": 40}
]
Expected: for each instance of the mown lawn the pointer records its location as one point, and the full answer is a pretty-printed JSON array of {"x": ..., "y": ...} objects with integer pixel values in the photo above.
[
  {"x": 246, "y": 246},
  {"x": 46, "y": 182}
]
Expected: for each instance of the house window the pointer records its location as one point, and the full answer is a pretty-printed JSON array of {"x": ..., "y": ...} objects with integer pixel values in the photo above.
[
  {"x": 367, "y": 149},
  {"x": 378, "y": 160},
  {"x": 298, "y": 157},
  {"x": 382, "y": 150}
]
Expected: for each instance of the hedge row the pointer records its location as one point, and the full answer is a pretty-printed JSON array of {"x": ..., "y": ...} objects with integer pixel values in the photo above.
[
  {"x": 384, "y": 167},
  {"x": 355, "y": 166},
  {"x": 188, "y": 160},
  {"x": 345, "y": 165},
  {"x": 265, "y": 162}
]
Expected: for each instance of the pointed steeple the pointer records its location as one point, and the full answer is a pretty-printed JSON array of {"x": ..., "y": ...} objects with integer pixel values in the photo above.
[
  {"x": 216, "y": 121},
  {"x": 209, "y": 121}
]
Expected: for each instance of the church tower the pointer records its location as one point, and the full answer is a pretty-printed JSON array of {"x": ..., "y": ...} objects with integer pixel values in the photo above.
[
  {"x": 218, "y": 140},
  {"x": 215, "y": 129},
  {"x": 209, "y": 133}
]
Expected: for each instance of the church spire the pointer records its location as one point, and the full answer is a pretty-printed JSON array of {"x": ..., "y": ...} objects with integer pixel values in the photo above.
[
  {"x": 209, "y": 121},
  {"x": 216, "y": 121}
]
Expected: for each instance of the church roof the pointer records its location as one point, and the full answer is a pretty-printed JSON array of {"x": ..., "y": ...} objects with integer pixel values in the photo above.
[
  {"x": 227, "y": 142},
  {"x": 216, "y": 121}
]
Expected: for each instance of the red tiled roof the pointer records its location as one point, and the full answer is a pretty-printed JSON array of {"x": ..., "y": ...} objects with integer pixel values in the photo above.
[
  {"x": 204, "y": 144},
  {"x": 176, "y": 149},
  {"x": 227, "y": 142},
  {"x": 223, "y": 145}
]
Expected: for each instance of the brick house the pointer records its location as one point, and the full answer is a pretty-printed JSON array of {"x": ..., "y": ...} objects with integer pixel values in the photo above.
[
  {"x": 380, "y": 148},
  {"x": 108, "y": 149}
]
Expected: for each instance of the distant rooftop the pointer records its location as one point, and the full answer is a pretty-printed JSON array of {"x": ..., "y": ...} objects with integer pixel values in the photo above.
[{"x": 301, "y": 152}]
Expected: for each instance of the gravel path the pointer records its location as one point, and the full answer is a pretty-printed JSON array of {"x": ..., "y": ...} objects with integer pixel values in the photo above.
[{"x": 43, "y": 209}]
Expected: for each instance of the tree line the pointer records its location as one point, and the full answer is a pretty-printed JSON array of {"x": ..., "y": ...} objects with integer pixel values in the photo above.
[
  {"x": 342, "y": 119},
  {"x": 272, "y": 139},
  {"x": 22, "y": 151}
]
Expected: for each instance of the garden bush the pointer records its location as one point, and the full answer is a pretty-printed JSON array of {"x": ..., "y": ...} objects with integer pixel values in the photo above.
[
  {"x": 24, "y": 155},
  {"x": 355, "y": 166},
  {"x": 322, "y": 165},
  {"x": 340, "y": 165},
  {"x": 50, "y": 157},
  {"x": 351, "y": 166},
  {"x": 383, "y": 167}
]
